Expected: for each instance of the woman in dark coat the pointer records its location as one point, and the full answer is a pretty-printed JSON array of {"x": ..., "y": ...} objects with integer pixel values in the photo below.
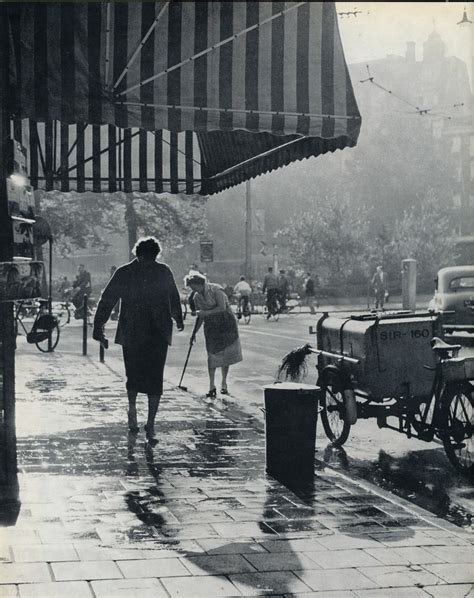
[{"x": 149, "y": 299}]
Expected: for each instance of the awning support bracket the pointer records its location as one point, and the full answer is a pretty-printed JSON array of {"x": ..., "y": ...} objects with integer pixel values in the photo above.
[
  {"x": 207, "y": 50},
  {"x": 140, "y": 45}
]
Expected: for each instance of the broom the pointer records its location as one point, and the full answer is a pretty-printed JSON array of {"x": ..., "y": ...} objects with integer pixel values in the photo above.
[{"x": 293, "y": 366}]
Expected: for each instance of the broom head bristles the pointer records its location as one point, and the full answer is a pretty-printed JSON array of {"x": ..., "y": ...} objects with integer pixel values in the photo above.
[{"x": 293, "y": 366}]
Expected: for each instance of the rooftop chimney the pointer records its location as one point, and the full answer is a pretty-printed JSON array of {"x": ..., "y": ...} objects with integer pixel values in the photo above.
[{"x": 410, "y": 52}]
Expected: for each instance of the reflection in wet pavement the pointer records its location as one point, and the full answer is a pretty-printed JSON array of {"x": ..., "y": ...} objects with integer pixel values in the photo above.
[
  {"x": 422, "y": 477},
  {"x": 205, "y": 479}
]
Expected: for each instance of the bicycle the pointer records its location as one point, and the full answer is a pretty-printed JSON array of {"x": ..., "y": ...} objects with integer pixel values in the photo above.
[
  {"x": 62, "y": 312},
  {"x": 44, "y": 332},
  {"x": 244, "y": 309},
  {"x": 30, "y": 308}
]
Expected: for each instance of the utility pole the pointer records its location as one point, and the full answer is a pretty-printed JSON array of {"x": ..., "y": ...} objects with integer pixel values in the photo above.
[
  {"x": 131, "y": 221},
  {"x": 248, "y": 232}
]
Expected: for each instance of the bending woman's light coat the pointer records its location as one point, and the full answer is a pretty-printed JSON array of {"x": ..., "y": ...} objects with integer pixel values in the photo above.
[{"x": 220, "y": 327}]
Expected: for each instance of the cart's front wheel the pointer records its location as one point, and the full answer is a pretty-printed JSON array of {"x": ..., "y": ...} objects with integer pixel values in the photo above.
[
  {"x": 333, "y": 409},
  {"x": 44, "y": 346},
  {"x": 457, "y": 416}
]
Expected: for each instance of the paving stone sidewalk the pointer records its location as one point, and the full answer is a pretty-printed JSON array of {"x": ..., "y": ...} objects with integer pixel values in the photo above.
[{"x": 103, "y": 514}]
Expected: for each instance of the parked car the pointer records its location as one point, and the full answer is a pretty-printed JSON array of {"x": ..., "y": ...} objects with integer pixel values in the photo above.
[{"x": 454, "y": 295}]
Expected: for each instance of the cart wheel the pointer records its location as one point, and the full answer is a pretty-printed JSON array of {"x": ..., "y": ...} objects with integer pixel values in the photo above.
[
  {"x": 333, "y": 409},
  {"x": 457, "y": 414},
  {"x": 43, "y": 345}
]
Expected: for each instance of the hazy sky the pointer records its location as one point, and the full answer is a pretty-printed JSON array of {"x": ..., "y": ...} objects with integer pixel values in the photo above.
[{"x": 389, "y": 25}]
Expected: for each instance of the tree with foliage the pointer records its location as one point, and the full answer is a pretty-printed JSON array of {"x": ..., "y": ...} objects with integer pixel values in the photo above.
[
  {"x": 85, "y": 220},
  {"x": 396, "y": 163},
  {"x": 331, "y": 240},
  {"x": 425, "y": 232}
]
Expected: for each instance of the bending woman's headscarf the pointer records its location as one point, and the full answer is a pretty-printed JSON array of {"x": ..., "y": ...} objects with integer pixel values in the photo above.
[{"x": 194, "y": 277}]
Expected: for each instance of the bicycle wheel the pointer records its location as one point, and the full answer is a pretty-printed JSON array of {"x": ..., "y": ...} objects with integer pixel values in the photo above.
[
  {"x": 247, "y": 316},
  {"x": 333, "y": 409},
  {"x": 457, "y": 413},
  {"x": 43, "y": 346}
]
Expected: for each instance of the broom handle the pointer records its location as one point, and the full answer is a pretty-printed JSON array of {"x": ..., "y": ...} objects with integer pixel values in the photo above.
[
  {"x": 187, "y": 356},
  {"x": 185, "y": 365}
]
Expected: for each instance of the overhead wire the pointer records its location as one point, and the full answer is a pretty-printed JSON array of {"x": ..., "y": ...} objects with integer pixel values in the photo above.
[{"x": 417, "y": 109}]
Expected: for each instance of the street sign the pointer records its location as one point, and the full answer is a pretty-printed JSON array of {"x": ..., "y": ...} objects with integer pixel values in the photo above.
[
  {"x": 207, "y": 251},
  {"x": 258, "y": 222}
]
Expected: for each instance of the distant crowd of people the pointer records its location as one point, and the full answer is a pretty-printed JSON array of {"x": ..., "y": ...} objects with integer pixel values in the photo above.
[{"x": 277, "y": 288}]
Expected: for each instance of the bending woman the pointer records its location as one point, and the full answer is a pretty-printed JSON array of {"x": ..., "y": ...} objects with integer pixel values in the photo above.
[{"x": 220, "y": 329}]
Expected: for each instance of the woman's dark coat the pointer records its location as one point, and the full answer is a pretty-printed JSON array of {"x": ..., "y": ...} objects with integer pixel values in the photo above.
[{"x": 149, "y": 299}]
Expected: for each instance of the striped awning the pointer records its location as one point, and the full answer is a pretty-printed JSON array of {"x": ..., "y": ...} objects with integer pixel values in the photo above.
[{"x": 255, "y": 85}]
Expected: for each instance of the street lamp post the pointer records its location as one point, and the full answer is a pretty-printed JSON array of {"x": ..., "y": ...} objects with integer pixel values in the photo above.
[{"x": 248, "y": 231}]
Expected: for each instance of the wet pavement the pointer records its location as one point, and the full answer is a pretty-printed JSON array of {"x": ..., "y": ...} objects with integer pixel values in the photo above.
[
  {"x": 104, "y": 514},
  {"x": 415, "y": 470}
]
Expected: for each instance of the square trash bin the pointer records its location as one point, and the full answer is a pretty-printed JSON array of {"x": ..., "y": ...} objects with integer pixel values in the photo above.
[{"x": 291, "y": 411}]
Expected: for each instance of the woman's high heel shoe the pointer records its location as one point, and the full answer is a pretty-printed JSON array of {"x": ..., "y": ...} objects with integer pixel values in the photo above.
[
  {"x": 150, "y": 434},
  {"x": 224, "y": 390},
  {"x": 211, "y": 394}
]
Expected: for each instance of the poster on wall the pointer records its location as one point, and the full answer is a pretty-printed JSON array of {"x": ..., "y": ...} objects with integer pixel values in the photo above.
[
  {"x": 207, "y": 251},
  {"x": 23, "y": 238}
]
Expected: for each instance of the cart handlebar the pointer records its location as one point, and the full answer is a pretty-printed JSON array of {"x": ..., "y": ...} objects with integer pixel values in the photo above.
[{"x": 335, "y": 355}]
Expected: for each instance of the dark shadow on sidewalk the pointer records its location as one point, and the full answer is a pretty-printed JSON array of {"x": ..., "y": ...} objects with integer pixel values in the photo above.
[{"x": 212, "y": 455}]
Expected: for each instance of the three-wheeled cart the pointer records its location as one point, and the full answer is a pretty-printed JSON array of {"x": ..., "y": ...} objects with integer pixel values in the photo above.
[{"x": 395, "y": 368}]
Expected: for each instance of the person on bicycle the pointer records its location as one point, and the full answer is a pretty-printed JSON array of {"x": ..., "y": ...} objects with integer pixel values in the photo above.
[
  {"x": 64, "y": 289},
  {"x": 242, "y": 291},
  {"x": 82, "y": 286},
  {"x": 283, "y": 289},
  {"x": 270, "y": 287}
]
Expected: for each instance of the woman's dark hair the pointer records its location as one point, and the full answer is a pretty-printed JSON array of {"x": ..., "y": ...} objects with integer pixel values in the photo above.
[{"x": 147, "y": 247}]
